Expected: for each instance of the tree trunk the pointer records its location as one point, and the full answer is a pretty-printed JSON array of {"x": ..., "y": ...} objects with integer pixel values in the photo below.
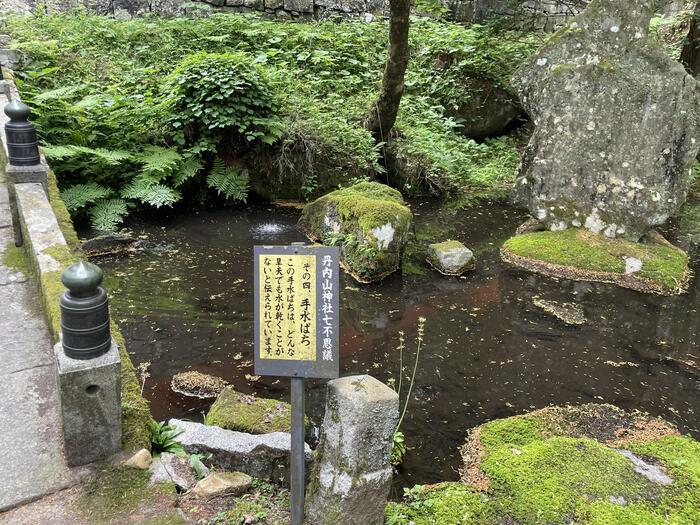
[
  {"x": 690, "y": 56},
  {"x": 382, "y": 114}
]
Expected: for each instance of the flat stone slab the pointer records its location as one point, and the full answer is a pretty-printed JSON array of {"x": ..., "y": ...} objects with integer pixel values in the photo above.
[{"x": 264, "y": 456}]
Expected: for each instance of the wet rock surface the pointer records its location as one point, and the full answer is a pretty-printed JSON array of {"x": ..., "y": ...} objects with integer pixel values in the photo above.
[
  {"x": 569, "y": 313},
  {"x": 617, "y": 125}
]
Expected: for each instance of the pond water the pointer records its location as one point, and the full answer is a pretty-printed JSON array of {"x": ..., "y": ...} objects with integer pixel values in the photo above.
[{"x": 185, "y": 302}]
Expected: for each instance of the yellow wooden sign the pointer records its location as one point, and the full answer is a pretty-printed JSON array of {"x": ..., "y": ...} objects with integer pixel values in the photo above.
[{"x": 287, "y": 321}]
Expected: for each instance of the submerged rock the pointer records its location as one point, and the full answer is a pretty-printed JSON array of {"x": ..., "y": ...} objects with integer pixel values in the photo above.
[
  {"x": 244, "y": 413},
  {"x": 369, "y": 221},
  {"x": 450, "y": 257},
  {"x": 196, "y": 384},
  {"x": 570, "y": 313},
  {"x": 617, "y": 125},
  {"x": 109, "y": 244},
  {"x": 263, "y": 456}
]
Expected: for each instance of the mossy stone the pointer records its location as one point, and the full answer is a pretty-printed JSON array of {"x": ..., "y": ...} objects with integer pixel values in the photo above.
[
  {"x": 582, "y": 255},
  {"x": 233, "y": 410},
  {"x": 563, "y": 465},
  {"x": 370, "y": 221}
]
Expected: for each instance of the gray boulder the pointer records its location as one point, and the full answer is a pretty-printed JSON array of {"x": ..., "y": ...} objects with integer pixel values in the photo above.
[
  {"x": 264, "y": 456},
  {"x": 616, "y": 125},
  {"x": 353, "y": 473},
  {"x": 450, "y": 257}
]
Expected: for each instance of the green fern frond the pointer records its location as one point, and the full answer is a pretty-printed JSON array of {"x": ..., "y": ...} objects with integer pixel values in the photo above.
[
  {"x": 59, "y": 152},
  {"x": 154, "y": 194},
  {"x": 80, "y": 195},
  {"x": 107, "y": 214},
  {"x": 109, "y": 156},
  {"x": 187, "y": 170},
  {"x": 61, "y": 92},
  {"x": 228, "y": 182},
  {"x": 90, "y": 101},
  {"x": 157, "y": 160}
]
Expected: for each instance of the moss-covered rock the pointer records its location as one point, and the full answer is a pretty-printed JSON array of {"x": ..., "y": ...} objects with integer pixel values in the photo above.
[
  {"x": 370, "y": 221},
  {"x": 244, "y": 413},
  {"x": 564, "y": 465},
  {"x": 582, "y": 255}
]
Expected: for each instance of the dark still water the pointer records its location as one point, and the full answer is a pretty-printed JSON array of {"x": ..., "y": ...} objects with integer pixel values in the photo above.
[{"x": 185, "y": 303}]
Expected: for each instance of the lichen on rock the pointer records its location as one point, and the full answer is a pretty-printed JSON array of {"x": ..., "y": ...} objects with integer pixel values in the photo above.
[
  {"x": 617, "y": 125},
  {"x": 370, "y": 222},
  {"x": 450, "y": 258}
]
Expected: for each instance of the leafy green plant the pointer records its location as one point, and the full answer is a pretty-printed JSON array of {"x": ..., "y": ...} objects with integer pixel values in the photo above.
[
  {"x": 163, "y": 438},
  {"x": 213, "y": 93},
  {"x": 197, "y": 464}
]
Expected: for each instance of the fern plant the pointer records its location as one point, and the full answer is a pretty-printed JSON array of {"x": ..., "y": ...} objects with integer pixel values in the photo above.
[
  {"x": 227, "y": 181},
  {"x": 80, "y": 195},
  {"x": 107, "y": 214}
]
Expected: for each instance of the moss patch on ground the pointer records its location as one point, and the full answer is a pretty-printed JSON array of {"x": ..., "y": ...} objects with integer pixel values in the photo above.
[
  {"x": 582, "y": 255},
  {"x": 563, "y": 465},
  {"x": 266, "y": 504},
  {"x": 15, "y": 258},
  {"x": 117, "y": 492},
  {"x": 369, "y": 221},
  {"x": 244, "y": 413}
]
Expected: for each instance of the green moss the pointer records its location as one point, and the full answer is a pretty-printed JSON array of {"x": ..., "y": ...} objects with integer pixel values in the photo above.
[
  {"x": 543, "y": 482},
  {"x": 446, "y": 504},
  {"x": 359, "y": 210},
  {"x": 511, "y": 432},
  {"x": 664, "y": 266},
  {"x": 244, "y": 413},
  {"x": 117, "y": 491},
  {"x": 540, "y": 470},
  {"x": 15, "y": 258}
]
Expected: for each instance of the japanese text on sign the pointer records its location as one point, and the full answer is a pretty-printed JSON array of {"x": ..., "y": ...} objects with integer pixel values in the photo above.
[{"x": 288, "y": 297}]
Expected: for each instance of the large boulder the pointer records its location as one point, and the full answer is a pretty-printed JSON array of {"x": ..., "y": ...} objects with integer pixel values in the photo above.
[
  {"x": 616, "y": 125},
  {"x": 369, "y": 221}
]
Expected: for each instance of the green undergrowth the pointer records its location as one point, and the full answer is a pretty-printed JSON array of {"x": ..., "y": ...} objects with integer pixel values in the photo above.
[
  {"x": 115, "y": 493},
  {"x": 266, "y": 504},
  {"x": 109, "y": 110},
  {"x": 136, "y": 415},
  {"x": 537, "y": 476},
  {"x": 581, "y": 249}
]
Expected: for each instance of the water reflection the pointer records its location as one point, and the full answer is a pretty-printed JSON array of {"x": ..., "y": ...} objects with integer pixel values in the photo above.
[{"x": 489, "y": 352}]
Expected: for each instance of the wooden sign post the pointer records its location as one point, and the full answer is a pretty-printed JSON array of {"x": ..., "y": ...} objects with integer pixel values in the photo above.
[{"x": 296, "y": 331}]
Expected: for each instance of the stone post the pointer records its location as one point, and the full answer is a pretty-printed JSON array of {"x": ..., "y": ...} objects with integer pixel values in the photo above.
[
  {"x": 352, "y": 475},
  {"x": 89, "y": 369}
]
